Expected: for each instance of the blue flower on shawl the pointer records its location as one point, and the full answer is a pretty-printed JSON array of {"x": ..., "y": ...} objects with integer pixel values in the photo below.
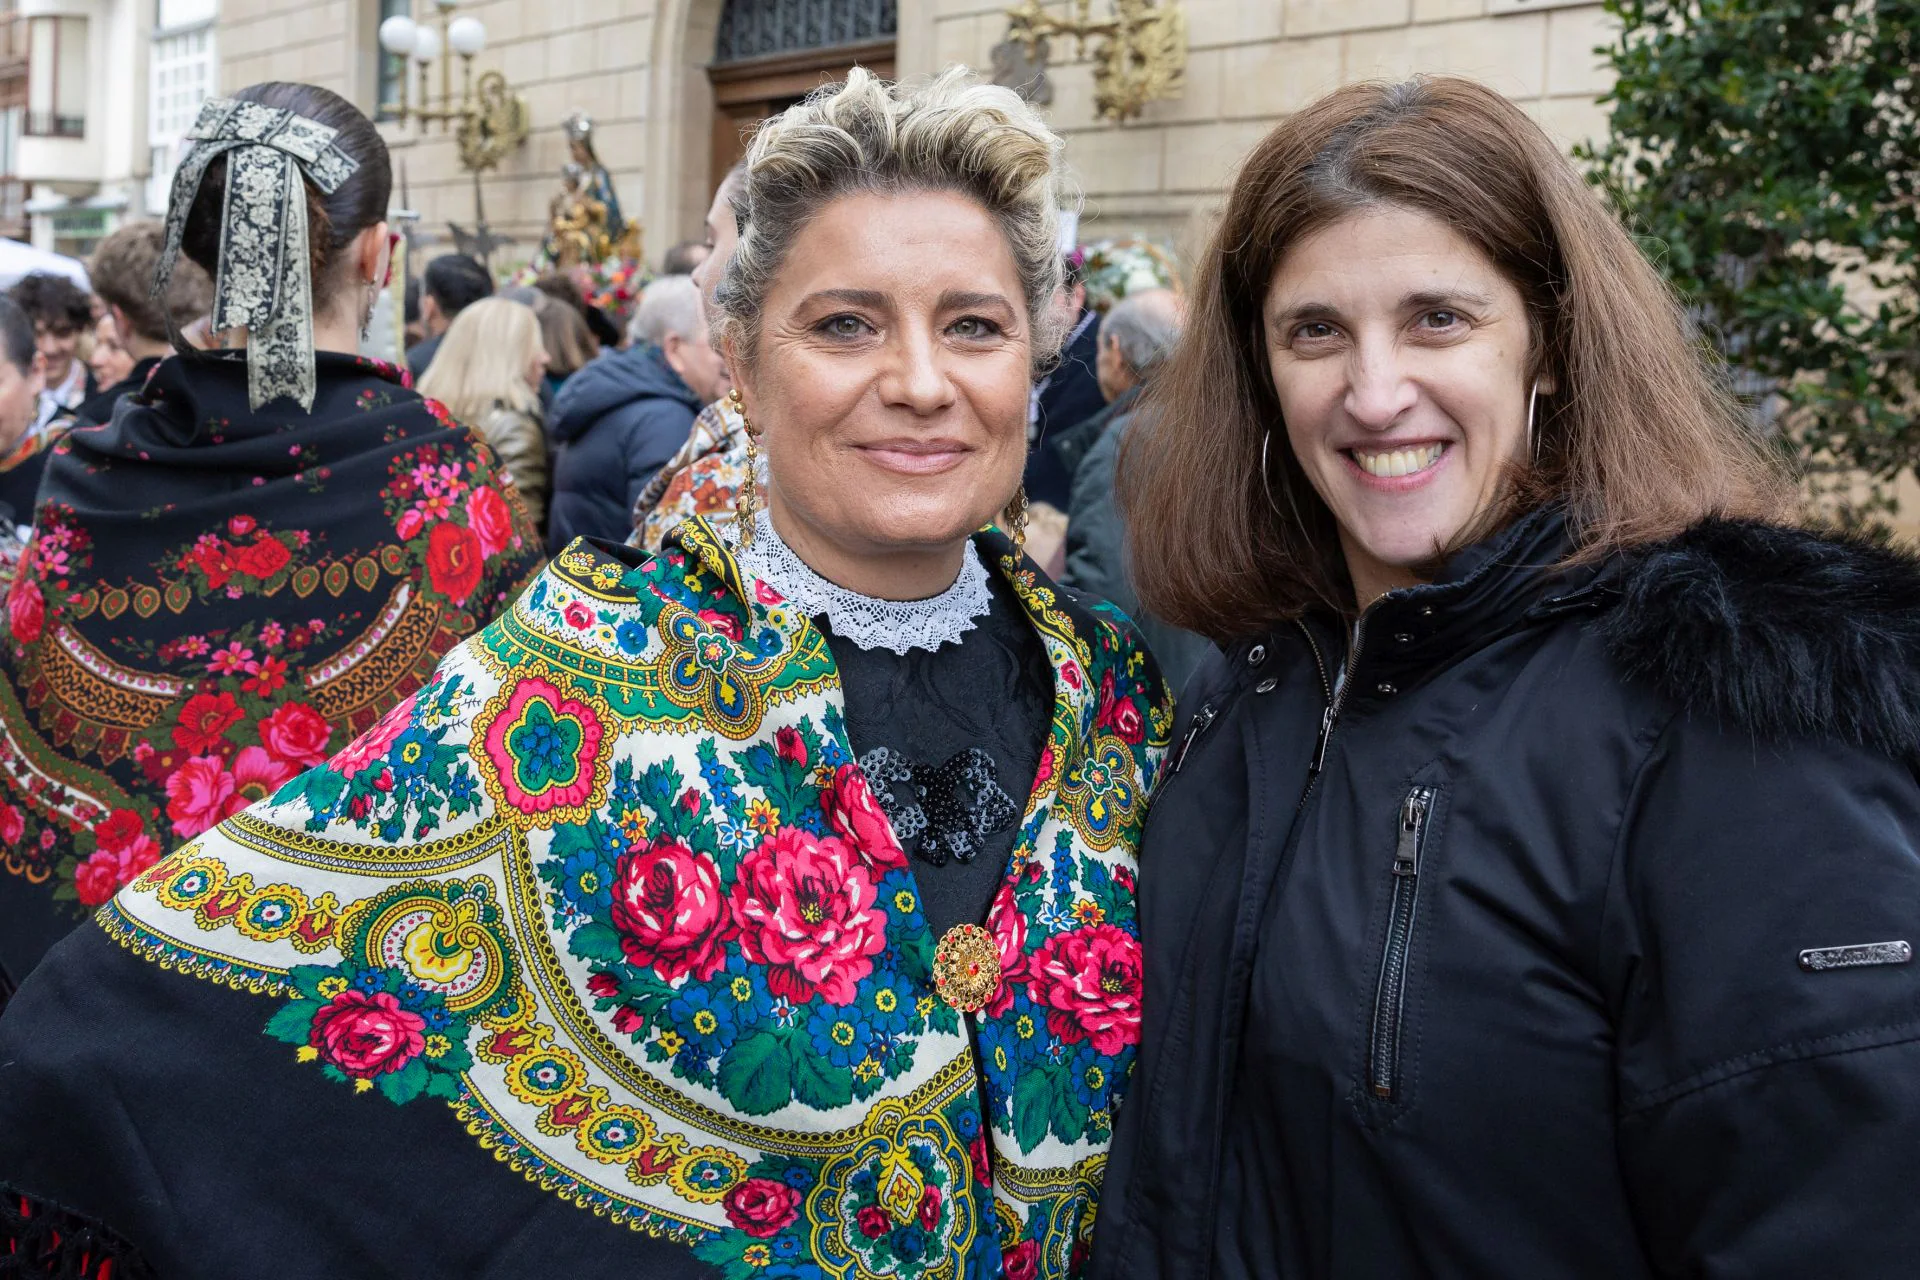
[
  {"x": 708, "y": 1021},
  {"x": 1000, "y": 1050},
  {"x": 841, "y": 1034},
  {"x": 631, "y": 636},
  {"x": 411, "y": 755},
  {"x": 587, "y": 882}
]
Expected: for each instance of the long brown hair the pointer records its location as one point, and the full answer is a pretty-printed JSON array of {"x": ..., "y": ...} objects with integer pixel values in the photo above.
[{"x": 1637, "y": 439}]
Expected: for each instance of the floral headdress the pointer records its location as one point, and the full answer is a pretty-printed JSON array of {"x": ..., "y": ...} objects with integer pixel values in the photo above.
[{"x": 263, "y": 282}]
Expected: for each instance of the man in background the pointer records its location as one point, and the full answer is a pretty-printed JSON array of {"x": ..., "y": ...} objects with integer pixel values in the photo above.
[
  {"x": 703, "y": 477},
  {"x": 1135, "y": 338},
  {"x": 22, "y": 378},
  {"x": 620, "y": 419},
  {"x": 415, "y": 332},
  {"x": 451, "y": 283},
  {"x": 60, "y": 312},
  {"x": 122, "y": 273},
  {"x": 683, "y": 258},
  {"x": 1065, "y": 396}
]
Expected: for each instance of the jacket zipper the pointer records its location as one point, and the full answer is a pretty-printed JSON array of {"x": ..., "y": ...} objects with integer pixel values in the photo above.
[
  {"x": 1390, "y": 993},
  {"x": 1336, "y": 697},
  {"x": 1201, "y": 719}
]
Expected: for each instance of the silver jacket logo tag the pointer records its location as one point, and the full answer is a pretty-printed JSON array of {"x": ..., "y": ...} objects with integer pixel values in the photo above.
[{"x": 1857, "y": 957}]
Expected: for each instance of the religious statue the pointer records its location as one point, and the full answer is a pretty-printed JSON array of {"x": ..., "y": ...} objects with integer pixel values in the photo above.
[
  {"x": 578, "y": 228},
  {"x": 599, "y": 185},
  {"x": 584, "y": 224}
]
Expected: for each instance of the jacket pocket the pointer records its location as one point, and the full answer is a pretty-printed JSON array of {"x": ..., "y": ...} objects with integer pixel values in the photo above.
[{"x": 1396, "y": 950}]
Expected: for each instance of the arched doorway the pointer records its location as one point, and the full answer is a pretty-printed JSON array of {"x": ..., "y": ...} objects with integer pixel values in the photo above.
[
  {"x": 719, "y": 65},
  {"x": 768, "y": 54}
]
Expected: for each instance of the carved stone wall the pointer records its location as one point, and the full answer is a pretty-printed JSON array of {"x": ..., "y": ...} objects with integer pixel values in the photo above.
[{"x": 639, "y": 68}]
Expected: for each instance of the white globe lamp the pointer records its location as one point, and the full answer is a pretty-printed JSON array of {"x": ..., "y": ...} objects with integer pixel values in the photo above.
[
  {"x": 398, "y": 35},
  {"x": 467, "y": 36}
]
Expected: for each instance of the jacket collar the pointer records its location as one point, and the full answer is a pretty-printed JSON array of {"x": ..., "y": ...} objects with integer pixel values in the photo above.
[{"x": 1513, "y": 579}]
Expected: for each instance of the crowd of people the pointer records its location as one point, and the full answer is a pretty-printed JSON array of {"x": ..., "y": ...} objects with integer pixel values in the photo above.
[{"x": 702, "y": 793}]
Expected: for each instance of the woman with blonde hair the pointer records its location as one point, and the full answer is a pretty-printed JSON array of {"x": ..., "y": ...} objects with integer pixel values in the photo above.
[
  {"x": 488, "y": 373},
  {"x": 1534, "y": 887},
  {"x": 761, "y": 909}
]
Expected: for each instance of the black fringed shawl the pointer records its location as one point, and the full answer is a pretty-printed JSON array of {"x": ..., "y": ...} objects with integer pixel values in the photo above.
[{"x": 216, "y": 599}]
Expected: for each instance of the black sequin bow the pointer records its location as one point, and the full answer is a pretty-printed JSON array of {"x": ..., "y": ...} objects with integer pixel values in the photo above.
[{"x": 953, "y": 806}]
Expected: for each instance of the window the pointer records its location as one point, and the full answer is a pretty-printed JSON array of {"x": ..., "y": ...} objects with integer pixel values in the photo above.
[
  {"x": 57, "y": 77},
  {"x": 763, "y": 28},
  {"x": 180, "y": 74},
  {"x": 391, "y": 84},
  {"x": 77, "y": 233}
]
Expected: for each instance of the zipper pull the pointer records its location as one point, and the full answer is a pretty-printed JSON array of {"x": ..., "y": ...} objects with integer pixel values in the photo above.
[
  {"x": 1413, "y": 824},
  {"x": 1327, "y": 718},
  {"x": 1201, "y": 719}
]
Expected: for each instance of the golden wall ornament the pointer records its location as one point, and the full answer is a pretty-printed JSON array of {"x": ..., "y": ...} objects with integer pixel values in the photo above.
[
  {"x": 497, "y": 123},
  {"x": 1139, "y": 53}
]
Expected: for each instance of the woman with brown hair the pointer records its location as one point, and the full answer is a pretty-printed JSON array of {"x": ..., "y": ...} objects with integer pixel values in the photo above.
[
  {"x": 1533, "y": 886},
  {"x": 563, "y": 331}
]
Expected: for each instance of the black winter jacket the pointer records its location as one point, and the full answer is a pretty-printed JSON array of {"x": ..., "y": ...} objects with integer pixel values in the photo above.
[
  {"x": 1570, "y": 936},
  {"x": 1097, "y": 540},
  {"x": 1068, "y": 395},
  {"x": 614, "y": 423}
]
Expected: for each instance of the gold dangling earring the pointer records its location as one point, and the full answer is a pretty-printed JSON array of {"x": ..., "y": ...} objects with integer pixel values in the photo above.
[
  {"x": 1016, "y": 515},
  {"x": 748, "y": 500}
]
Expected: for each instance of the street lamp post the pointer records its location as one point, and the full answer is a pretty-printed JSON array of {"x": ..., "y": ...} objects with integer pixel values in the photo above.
[{"x": 489, "y": 119}]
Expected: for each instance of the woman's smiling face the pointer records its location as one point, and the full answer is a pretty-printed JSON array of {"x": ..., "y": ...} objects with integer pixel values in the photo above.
[
  {"x": 1401, "y": 359},
  {"x": 890, "y": 376}
]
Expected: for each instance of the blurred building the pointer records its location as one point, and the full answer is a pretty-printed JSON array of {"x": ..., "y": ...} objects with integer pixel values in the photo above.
[
  {"x": 669, "y": 84},
  {"x": 94, "y": 95}
]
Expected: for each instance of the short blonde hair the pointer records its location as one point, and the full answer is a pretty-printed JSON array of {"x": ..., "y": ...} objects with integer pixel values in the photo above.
[
  {"x": 482, "y": 361},
  {"x": 870, "y": 135}
]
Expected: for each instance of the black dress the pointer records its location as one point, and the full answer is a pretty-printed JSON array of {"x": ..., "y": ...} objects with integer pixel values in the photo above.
[{"x": 950, "y": 739}]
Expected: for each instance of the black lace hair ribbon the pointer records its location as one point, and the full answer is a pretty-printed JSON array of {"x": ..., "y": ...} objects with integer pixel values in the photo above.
[{"x": 263, "y": 283}]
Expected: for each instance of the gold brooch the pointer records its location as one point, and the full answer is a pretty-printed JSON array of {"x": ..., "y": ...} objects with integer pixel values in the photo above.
[{"x": 966, "y": 968}]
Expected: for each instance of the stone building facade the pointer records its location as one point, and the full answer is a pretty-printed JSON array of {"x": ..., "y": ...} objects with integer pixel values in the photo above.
[{"x": 666, "y": 109}]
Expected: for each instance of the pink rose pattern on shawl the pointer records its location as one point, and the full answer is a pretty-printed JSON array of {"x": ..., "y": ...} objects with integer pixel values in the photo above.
[{"x": 738, "y": 916}]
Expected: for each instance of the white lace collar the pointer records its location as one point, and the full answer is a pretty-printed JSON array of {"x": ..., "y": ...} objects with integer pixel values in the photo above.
[{"x": 870, "y": 623}]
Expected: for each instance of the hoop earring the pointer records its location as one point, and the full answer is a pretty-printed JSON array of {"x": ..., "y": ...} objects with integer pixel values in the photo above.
[
  {"x": 1266, "y": 477},
  {"x": 1016, "y": 517},
  {"x": 1533, "y": 442},
  {"x": 747, "y": 502},
  {"x": 1266, "y": 480}
]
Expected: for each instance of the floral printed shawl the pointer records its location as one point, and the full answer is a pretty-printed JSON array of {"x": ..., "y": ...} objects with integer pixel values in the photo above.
[
  {"x": 612, "y": 887},
  {"x": 213, "y": 601},
  {"x": 702, "y": 479}
]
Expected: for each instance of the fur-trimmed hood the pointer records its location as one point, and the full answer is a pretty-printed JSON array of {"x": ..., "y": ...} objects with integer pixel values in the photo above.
[{"x": 1779, "y": 632}]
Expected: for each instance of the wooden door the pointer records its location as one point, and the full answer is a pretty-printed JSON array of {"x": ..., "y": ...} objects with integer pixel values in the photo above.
[{"x": 747, "y": 92}]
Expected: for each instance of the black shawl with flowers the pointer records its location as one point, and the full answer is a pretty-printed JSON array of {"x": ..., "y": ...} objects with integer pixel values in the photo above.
[{"x": 216, "y": 599}]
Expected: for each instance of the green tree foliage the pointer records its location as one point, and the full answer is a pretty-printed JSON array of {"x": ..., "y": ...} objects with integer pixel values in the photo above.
[{"x": 1769, "y": 153}]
